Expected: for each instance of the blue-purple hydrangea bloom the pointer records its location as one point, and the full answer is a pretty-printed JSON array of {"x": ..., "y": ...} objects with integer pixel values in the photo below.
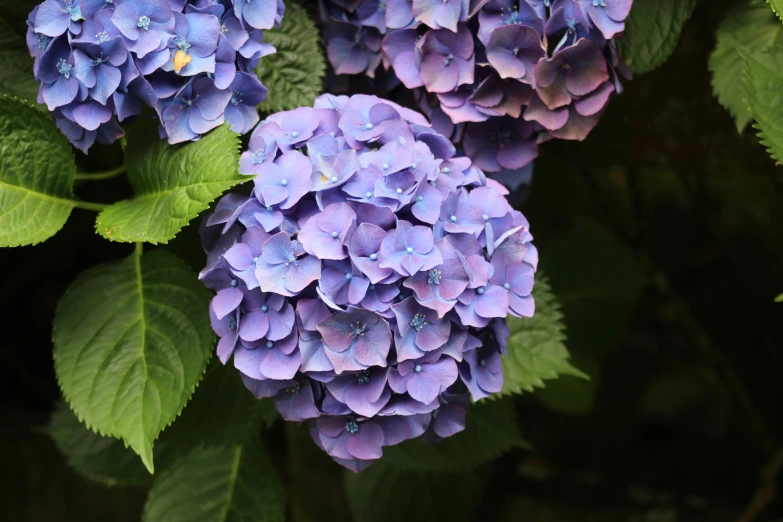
[
  {"x": 365, "y": 282},
  {"x": 99, "y": 62},
  {"x": 500, "y": 76}
]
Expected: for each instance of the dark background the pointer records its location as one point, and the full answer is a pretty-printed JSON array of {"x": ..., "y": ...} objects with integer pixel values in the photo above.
[{"x": 661, "y": 235}]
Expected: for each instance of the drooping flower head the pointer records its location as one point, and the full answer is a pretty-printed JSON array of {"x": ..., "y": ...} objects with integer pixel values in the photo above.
[
  {"x": 477, "y": 64},
  {"x": 99, "y": 62},
  {"x": 365, "y": 284}
]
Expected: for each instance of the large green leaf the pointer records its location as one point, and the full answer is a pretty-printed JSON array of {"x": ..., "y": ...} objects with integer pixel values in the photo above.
[
  {"x": 752, "y": 25},
  {"x": 131, "y": 341},
  {"x": 385, "y": 494},
  {"x": 103, "y": 459},
  {"x": 172, "y": 183},
  {"x": 764, "y": 90},
  {"x": 294, "y": 74},
  {"x": 652, "y": 31},
  {"x": 491, "y": 431},
  {"x": 536, "y": 349},
  {"x": 221, "y": 412},
  {"x": 16, "y": 65},
  {"x": 227, "y": 484},
  {"x": 36, "y": 175}
]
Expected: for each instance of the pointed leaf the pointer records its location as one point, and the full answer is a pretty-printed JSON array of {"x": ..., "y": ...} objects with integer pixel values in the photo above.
[
  {"x": 99, "y": 458},
  {"x": 229, "y": 484},
  {"x": 763, "y": 78},
  {"x": 36, "y": 175},
  {"x": 652, "y": 31},
  {"x": 294, "y": 74},
  {"x": 221, "y": 412},
  {"x": 172, "y": 183},
  {"x": 535, "y": 350},
  {"x": 131, "y": 341},
  {"x": 491, "y": 431},
  {"x": 751, "y": 25}
]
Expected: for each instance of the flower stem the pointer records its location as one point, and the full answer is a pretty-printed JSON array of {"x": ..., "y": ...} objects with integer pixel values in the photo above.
[
  {"x": 106, "y": 174},
  {"x": 86, "y": 205}
]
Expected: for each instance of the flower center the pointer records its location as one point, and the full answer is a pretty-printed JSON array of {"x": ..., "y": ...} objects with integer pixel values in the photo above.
[
  {"x": 223, "y": 29},
  {"x": 447, "y": 61},
  {"x": 294, "y": 389},
  {"x": 363, "y": 377},
  {"x": 74, "y": 11},
  {"x": 418, "y": 322},
  {"x": 417, "y": 368},
  {"x": 351, "y": 427},
  {"x": 435, "y": 412},
  {"x": 64, "y": 68},
  {"x": 259, "y": 156},
  {"x": 101, "y": 59},
  {"x": 599, "y": 3},
  {"x": 358, "y": 329},
  {"x": 232, "y": 322},
  {"x": 43, "y": 41},
  {"x": 265, "y": 308},
  {"x": 101, "y": 37},
  {"x": 434, "y": 276},
  {"x": 144, "y": 22},
  {"x": 181, "y": 42},
  {"x": 236, "y": 99},
  {"x": 571, "y": 23},
  {"x": 373, "y": 257}
]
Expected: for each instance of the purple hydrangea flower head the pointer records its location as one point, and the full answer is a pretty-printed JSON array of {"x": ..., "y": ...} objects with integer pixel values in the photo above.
[
  {"x": 362, "y": 284},
  {"x": 481, "y": 69},
  {"x": 99, "y": 62}
]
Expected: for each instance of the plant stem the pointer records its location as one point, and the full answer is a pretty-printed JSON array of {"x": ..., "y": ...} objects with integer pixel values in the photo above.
[
  {"x": 106, "y": 174},
  {"x": 86, "y": 205}
]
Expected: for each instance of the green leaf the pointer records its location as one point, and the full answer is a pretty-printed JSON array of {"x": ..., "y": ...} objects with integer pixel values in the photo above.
[
  {"x": 131, "y": 342},
  {"x": 172, "y": 183},
  {"x": 381, "y": 493},
  {"x": 763, "y": 77},
  {"x": 221, "y": 412},
  {"x": 535, "y": 349},
  {"x": 16, "y": 66},
  {"x": 652, "y": 31},
  {"x": 294, "y": 74},
  {"x": 491, "y": 431},
  {"x": 99, "y": 458},
  {"x": 36, "y": 175},
  {"x": 751, "y": 25},
  {"x": 229, "y": 484},
  {"x": 777, "y": 6},
  {"x": 779, "y": 299}
]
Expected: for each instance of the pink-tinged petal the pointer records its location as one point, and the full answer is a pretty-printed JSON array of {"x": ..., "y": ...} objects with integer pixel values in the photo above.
[
  {"x": 436, "y": 76},
  {"x": 594, "y": 102},
  {"x": 517, "y": 155},
  {"x": 521, "y": 306}
]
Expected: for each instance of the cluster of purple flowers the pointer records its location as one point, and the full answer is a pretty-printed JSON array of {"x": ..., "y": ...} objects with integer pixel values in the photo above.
[
  {"x": 499, "y": 75},
  {"x": 100, "y": 61},
  {"x": 366, "y": 280}
]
